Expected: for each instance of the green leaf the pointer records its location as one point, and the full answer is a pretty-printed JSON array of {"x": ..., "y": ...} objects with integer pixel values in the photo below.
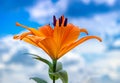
[
  {"x": 41, "y": 59},
  {"x": 62, "y": 74},
  {"x": 38, "y": 80},
  {"x": 58, "y": 68},
  {"x": 51, "y": 75}
]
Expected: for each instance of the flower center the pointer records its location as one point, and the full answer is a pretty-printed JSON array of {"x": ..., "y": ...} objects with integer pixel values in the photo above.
[{"x": 62, "y": 20}]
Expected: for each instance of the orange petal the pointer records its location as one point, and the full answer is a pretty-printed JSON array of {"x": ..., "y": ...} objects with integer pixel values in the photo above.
[
  {"x": 57, "y": 35},
  {"x": 46, "y": 30},
  {"x": 36, "y": 42},
  {"x": 73, "y": 45},
  {"x": 24, "y": 35},
  {"x": 34, "y": 31},
  {"x": 30, "y": 40},
  {"x": 63, "y": 20},
  {"x": 84, "y": 30},
  {"x": 71, "y": 33},
  {"x": 18, "y": 24},
  {"x": 50, "y": 45},
  {"x": 16, "y": 37},
  {"x": 44, "y": 48}
]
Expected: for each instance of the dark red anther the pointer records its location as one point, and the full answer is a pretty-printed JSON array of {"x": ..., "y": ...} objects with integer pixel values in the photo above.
[
  {"x": 60, "y": 21},
  {"x": 54, "y": 20},
  {"x": 65, "y": 22},
  {"x": 61, "y": 18}
]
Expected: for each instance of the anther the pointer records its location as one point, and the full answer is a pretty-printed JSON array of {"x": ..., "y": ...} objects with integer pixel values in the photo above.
[
  {"x": 54, "y": 20},
  {"x": 60, "y": 21},
  {"x": 65, "y": 23},
  {"x": 62, "y": 17}
]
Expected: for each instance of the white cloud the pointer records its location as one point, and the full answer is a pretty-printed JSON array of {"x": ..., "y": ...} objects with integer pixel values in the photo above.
[
  {"x": 106, "y": 66},
  {"x": 43, "y": 10},
  {"x": 73, "y": 62},
  {"x": 86, "y": 1},
  {"x": 98, "y": 2},
  {"x": 2, "y": 66},
  {"x": 108, "y": 2},
  {"x": 104, "y": 63},
  {"x": 15, "y": 77},
  {"x": 100, "y": 24},
  {"x": 117, "y": 43}
]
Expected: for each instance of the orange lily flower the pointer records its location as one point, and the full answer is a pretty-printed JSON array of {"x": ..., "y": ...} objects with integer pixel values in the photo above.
[{"x": 55, "y": 41}]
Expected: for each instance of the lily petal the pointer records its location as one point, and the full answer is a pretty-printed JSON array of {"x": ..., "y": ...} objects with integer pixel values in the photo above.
[
  {"x": 57, "y": 35},
  {"x": 36, "y": 42},
  {"x": 50, "y": 45},
  {"x": 46, "y": 30},
  {"x": 71, "y": 33},
  {"x": 73, "y": 45},
  {"x": 24, "y": 35},
  {"x": 83, "y": 30},
  {"x": 16, "y": 37},
  {"x": 55, "y": 41},
  {"x": 30, "y": 40},
  {"x": 34, "y": 31}
]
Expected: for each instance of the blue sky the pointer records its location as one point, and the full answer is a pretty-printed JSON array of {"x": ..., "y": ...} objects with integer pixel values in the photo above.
[
  {"x": 13, "y": 11},
  {"x": 90, "y": 62}
]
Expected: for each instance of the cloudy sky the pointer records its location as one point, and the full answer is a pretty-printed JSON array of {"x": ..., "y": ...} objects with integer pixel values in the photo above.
[{"x": 90, "y": 62}]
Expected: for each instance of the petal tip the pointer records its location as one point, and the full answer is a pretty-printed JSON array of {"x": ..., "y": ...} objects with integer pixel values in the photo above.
[
  {"x": 87, "y": 33},
  {"x": 84, "y": 30},
  {"x": 15, "y": 37},
  {"x": 99, "y": 39},
  {"x": 18, "y": 24}
]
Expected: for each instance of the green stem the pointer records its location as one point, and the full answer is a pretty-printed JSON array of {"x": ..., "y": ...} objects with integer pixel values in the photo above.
[{"x": 54, "y": 69}]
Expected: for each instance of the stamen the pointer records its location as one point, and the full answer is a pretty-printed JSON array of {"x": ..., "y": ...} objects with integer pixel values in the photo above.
[
  {"x": 54, "y": 20},
  {"x": 18, "y": 24},
  {"x": 65, "y": 23},
  {"x": 62, "y": 17},
  {"x": 60, "y": 21}
]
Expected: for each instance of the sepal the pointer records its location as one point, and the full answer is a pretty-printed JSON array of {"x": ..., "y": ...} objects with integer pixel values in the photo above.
[
  {"x": 41, "y": 59},
  {"x": 62, "y": 74},
  {"x": 38, "y": 80}
]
